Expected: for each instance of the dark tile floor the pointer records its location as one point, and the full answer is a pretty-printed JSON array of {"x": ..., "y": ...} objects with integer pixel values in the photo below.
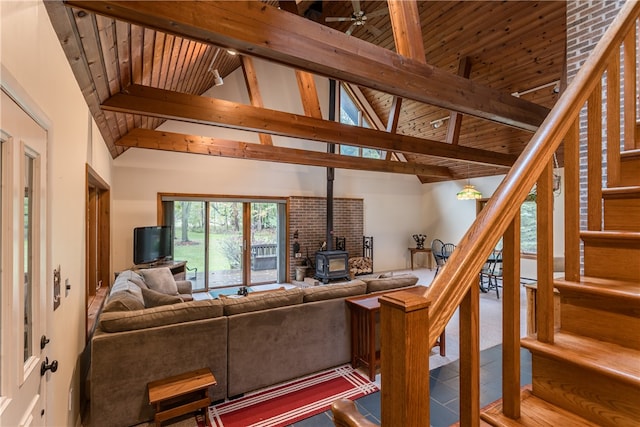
[{"x": 444, "y": 386}]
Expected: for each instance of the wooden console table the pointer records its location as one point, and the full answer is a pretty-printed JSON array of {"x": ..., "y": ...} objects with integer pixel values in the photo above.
[
  {"x": 364, "y": 317},
  {"x": 191, "y": 387},
  {"x": 425, "y": 250}
]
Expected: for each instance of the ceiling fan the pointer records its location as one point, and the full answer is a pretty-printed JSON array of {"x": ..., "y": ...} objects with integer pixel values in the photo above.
[{"x": 358, "y": 18}]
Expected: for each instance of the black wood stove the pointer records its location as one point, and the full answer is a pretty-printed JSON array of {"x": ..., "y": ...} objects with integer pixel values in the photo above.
[{"x": 332, "y": 265}]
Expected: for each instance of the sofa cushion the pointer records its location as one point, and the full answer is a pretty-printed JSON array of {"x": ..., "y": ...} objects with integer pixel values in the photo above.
[
  {"x": 160, "y": 280},
  {"x": 122, "y": 301},
  {"x": 386, "y": 283},
  {"x": 262, "y": 301},
  {"x": 325, "y": 292},
  {"x": 160, "y": 316},
  {"x": 154, "y": 299}
]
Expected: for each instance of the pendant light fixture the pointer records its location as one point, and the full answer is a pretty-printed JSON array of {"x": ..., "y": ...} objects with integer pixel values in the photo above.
[{"x": 469, "y": 191}]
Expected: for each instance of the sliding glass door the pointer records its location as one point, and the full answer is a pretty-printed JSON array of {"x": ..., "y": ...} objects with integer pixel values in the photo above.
[
  {"x": 264, "y": 243},
  {"x": 225, "y": 266},
  {"x": 228, "y": 242}
]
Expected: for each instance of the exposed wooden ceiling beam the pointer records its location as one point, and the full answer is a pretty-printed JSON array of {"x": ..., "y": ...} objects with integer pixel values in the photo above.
[
  {"x": 256, "y": 29},
  {"x": 392, "y": 122},
  {"x": 167, "y": 141},
  {"x": 165, "y": 104},
  {"x": 251, "y": 79},
  {"x": 308, "y": 94},
  {"x": 455, "y": 118},
  {"x": 407, "y": 35}
]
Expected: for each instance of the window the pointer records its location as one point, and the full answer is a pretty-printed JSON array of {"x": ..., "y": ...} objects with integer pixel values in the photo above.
[
  {"x": 528, "y": 227},
  {"x": 352, "y": 114}
]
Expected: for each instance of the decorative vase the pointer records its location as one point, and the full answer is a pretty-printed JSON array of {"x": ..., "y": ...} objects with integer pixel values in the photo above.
[
  {"x": 301, "y": 272},
  {"x": 419, "y": 238}
]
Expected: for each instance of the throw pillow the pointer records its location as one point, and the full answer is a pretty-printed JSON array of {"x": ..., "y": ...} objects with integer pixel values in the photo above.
[
  {"x": 160, "y": 280},
  {"x": 133, "y": 277},
  {"x": 122, "y": 301},
  {"x": 126, "y": 286},
  {"x": 154, "y": 299}
]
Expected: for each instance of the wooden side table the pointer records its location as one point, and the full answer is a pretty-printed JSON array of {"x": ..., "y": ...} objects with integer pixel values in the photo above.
[
  {"x": 425, "y": 250},
  {"x": 181, "y": 394},
  {"x": 364, "y": 316}
]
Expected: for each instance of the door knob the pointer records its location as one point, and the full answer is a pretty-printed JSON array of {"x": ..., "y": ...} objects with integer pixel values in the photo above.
[
  {"x": 46, "y": 366},
  {"x": 44, "y": 341}
]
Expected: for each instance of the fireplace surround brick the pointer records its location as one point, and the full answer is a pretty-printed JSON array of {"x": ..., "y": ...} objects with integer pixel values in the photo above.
[{"x": 308, "y": 215}]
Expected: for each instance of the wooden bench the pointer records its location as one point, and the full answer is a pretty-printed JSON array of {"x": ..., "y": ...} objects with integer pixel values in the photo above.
[{"x": 181, "y": 394}]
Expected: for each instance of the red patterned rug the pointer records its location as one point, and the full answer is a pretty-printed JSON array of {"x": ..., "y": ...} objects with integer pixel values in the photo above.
[{"x": 290, "y": 402}]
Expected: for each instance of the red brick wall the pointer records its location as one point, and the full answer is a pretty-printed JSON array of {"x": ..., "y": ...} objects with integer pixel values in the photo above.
[{"x": 308, "y": 215}]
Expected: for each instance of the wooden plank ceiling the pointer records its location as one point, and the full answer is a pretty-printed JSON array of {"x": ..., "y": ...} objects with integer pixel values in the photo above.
[{"x": 508, "y": 46}]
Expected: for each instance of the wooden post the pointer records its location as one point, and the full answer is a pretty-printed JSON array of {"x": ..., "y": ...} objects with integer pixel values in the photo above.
[
  {"x": 594, "y": 159},
  {"x": 544, "y": 305},
  {"x": 470, "y": 358},
  {"x": 511, "y": 320},
  {"x": 404, "y": 358},
  {"x": 572, "y": 202},
  {"x": 630, "y": 90}
]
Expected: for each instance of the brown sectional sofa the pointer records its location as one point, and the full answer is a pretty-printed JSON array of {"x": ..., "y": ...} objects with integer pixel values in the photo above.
[{"x": 248, "y": 343}]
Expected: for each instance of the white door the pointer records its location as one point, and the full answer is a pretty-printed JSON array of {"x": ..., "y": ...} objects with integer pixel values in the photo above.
[{"x": 23, "y": 258}]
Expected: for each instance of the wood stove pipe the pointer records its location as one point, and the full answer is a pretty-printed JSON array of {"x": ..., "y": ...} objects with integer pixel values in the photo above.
[{"x": 331, "y": 148}]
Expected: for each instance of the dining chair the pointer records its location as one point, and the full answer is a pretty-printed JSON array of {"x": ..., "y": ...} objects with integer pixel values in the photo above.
[
  {"x": 447, "y": 250},
  {"x": 495, "y": 271},
  {"x": 436, "y": 251}
]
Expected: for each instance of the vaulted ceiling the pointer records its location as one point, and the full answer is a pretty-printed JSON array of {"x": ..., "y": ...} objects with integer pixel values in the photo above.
[{"x": 499, "y": 55}]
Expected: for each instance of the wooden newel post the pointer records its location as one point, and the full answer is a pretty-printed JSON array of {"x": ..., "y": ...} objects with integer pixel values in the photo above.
[{"x": 404, "y": 323}]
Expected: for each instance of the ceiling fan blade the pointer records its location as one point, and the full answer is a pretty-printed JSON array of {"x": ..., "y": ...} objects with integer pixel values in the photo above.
[
  {"x": 373, "y": 30},
  {"x": 378, "y": 12},
  {"x": 350, "y": 30},
  {"x": 337, "y": 19},
  {"x": 356, "y": 6}
]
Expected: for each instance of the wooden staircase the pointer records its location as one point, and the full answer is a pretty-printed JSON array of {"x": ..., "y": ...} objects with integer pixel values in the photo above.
[{"x": 586, "y": 372}]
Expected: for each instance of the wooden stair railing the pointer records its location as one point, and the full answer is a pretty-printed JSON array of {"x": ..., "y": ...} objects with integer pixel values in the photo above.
[{"x": 407, "y": 317}]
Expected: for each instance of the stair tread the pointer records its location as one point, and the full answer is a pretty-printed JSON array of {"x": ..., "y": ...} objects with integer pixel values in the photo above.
[
  {"x": 621, "y": 363},
  {"x": 534, "y": 412},
  {"x": 601, "y": 287}
]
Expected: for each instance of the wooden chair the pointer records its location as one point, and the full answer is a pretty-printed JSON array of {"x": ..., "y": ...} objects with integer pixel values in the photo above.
[
  {"x": 447, "y": 250},
  {"x": 436, "y": 251},
  {"x": 494, "y": 272}
]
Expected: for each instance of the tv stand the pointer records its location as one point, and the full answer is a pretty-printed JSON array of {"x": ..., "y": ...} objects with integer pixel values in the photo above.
[{"x": 178, "y": 268}]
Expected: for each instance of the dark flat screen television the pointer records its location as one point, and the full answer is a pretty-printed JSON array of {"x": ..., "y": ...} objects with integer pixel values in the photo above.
[{"x": 152, "y": 244}]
